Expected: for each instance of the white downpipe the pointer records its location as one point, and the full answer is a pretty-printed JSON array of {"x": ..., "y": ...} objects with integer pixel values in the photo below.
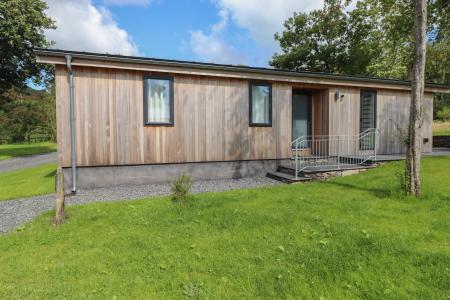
[{"x": 72, "y": 123}]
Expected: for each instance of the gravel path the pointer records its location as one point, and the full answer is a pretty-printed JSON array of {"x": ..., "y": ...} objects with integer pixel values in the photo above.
[
  {"x": 14, "y": 213},
  {"x": 15, "y": 163}
]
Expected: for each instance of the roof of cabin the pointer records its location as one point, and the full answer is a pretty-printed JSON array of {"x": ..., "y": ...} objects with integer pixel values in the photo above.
[{"x": 45, "y": 55}]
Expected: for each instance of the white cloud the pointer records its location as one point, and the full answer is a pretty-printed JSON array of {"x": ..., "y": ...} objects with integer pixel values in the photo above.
[
  {"x": 211, "y": 47},
  {"x": 263, "y": 18},
  {"x": 82, "y": 26}
]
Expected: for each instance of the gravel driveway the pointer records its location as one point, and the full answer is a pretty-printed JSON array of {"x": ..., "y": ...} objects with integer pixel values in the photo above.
[
  {"x": 15, "y": 163},
  {"x": 14, "y": 213}
]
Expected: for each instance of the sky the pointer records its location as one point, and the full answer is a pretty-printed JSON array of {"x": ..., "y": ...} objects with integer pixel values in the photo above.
[{"x": 217, "y": 31}]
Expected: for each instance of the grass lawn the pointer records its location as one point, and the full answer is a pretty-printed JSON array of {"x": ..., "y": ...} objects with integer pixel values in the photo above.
[
  {"x": 13, "y": 150},
  {"x": 27, "y": 182},
  {"x": 441, "y": 128},
  {"x": 348, "y": 238}
]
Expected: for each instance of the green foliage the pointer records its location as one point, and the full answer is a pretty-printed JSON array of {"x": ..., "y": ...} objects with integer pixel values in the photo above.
[
  {"x": 22, "y": 111},
  {"x": 27, "y": 112},
  {"x": 443, "y": 114},
  {"x": 441, "y": 102},
  {"x": 314, "y": 41},
  {"x": 22, "y": 25},
  {"x": 374, "y": 39},
  {"x": 14, "y": 150},
  {"x": 27, "y": 182},
  {"x": 181, "y": 187},
  {"x": 347, "y": 238},
  {"x": 389, "y": 34}
]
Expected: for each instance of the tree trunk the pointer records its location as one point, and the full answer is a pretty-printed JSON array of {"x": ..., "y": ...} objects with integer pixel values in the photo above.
[
  {"x": 60, "y": 216},
  {"x": 414, "y": 149}
]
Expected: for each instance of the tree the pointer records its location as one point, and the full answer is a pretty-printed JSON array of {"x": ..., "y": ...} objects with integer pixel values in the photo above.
[
  {"x": 22, "y": 110},
  {"x": 314, "y": 41},
  {"x": 438, "y": 53},
  {"x": 27, "y": 112},
  {"x": 22, "y": 25},
  {"x": 373, "y": 39},
  {"x": 414, "y": 148}
]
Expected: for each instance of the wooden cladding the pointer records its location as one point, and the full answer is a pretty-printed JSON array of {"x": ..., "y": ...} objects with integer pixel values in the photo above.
[
  {"x": 392, "y": 117},
  {"x": 210, "y": 116},
  {"x": 211, "y": 119}
]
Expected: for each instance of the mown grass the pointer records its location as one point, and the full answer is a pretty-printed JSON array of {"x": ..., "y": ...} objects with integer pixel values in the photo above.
[
  {"x": 27, "y": 182},
  {"x": 441, "y": 128},
  {"x": 14, "y": 150},
  {"x": 348, "y": 238}
]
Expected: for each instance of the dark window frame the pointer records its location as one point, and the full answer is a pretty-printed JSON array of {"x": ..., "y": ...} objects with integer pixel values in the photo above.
[
  {"x": 171, "y": 100},
  {"x": 362, "y": 92},
  {"x": 250, "y": 110}
]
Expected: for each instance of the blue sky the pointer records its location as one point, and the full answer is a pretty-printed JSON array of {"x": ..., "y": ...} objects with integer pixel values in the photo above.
[{"x": 219, "y": 31}]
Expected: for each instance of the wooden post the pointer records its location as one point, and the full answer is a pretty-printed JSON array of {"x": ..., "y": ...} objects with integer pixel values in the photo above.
[{"x": 59, "y": 217}]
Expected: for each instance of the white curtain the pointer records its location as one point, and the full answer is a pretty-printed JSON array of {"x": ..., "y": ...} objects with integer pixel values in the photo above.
[
  {"x": 260, "y": 104},
  {"x": 158, "y": 102}
]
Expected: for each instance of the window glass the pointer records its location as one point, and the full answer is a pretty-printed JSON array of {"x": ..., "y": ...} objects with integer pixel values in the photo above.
[
  {"x": 367, "y": 119},
  {"x": 159, "y": 97},
  {"x": 260, "y": 104}
]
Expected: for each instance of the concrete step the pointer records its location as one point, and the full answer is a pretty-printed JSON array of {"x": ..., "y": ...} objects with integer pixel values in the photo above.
[
  {"x": 286, "y": 178},
  {"x": 290, "y": 169},
  {"x": 323, "y": 169},
  {"x": 287, "y": 169}
]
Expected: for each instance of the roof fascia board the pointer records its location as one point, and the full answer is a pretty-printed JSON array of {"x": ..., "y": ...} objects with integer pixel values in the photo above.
[{"x": 202, "y": 69}]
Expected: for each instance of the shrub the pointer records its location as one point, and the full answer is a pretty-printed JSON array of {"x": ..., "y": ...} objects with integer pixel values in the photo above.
[
  {"x": 181, "y": 187},
  {"x": 443, "y": 114}
]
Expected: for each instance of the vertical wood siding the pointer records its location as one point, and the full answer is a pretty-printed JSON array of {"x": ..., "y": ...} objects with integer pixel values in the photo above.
[
  {"x": 392, "y": 111},
  {"x": 320, "y": 111},
  {"x": 210, "y": 117},
  {"x": 393, "y": 119},
  {"x": 211, "y": 121}
]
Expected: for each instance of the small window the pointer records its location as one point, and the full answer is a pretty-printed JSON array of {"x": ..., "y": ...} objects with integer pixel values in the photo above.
[
  {"x": 367, "y": 120},
  {"x": 158, "y": 101},
  {"x": 260, "y": 104}
]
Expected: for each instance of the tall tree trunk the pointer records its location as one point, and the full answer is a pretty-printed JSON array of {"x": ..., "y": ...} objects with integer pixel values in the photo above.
[{"x": 414, "y": 149}]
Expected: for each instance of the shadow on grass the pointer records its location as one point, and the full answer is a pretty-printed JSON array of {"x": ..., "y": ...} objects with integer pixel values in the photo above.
[
  {"x": 377, "y": 192},
  {"x": 51, "y": 174}
]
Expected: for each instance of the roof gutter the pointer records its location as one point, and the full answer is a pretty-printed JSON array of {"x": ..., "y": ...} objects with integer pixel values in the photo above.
[{"x": 72, "y": 123}]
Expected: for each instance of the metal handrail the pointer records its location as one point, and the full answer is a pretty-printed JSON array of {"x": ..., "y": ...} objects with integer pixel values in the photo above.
[
  {"x": 334, "y": 150},
  {"x": 334, "y": 135}
]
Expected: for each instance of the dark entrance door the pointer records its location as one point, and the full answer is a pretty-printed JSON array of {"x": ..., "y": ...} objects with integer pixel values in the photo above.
[{"x": 301, "y": 114}]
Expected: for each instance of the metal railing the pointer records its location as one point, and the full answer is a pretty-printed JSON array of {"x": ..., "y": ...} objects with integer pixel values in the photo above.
[{"x": 321, "y": 152}]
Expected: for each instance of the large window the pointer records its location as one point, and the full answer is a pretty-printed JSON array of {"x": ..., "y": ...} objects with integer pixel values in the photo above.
[
  {"x": 260, "y": 104},
  {"x": 158, "y": 100},
  {"x": 368, "y": 115}
]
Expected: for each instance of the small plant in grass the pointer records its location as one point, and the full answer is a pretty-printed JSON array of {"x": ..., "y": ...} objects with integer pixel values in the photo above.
[
  {"x": 400, "y": 188},
  {"x": 181, "y": 188},
  {"x": 402, "y": 175}
]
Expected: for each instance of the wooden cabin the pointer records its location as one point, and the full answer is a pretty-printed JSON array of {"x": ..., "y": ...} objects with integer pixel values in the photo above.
[{"x": 143, "y": 120}]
